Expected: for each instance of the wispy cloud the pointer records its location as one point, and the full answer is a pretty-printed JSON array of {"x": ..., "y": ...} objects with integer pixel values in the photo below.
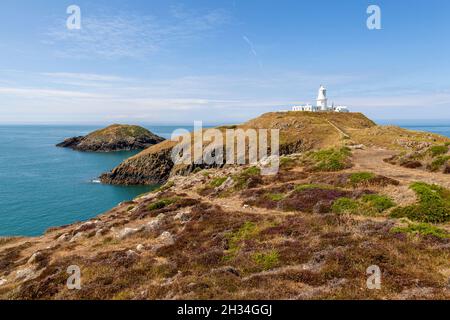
[
  {"x": 252, "y": 50},
  {"x": 128, "y": 35}
]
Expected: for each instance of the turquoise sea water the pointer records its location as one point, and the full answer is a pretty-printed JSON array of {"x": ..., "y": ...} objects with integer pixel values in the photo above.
[{"x": 43, "y": 186}]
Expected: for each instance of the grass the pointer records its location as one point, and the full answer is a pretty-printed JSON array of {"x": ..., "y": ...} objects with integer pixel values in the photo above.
[
  {"x": 424, "y": 229},
  {"x": 438, "y": 150},
  {"x": 438, "y": 163},
  {"x": 359, "y": 177},
  {"x": 247, "y": 231},
  {"x": 160, "y": 204},
  {"x": 266, "y": 260},
  {"x": 368, "y": 205},
  {"x": 433, "y": 204},
  {"x": 345, "y": 206},
  {"x": 242, "y": 179},
  {"x": 275, "y": 196},
  {"x": 379, "y": 203},
  {"x": 303, "y": 187},
  {"x": 329, "y": 159},
  {"x": 217, "y": 182}
]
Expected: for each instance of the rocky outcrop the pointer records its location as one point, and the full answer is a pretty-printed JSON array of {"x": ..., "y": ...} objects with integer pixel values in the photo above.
[
  {"x": 113, "y": 138},
  {"x": 152, "y": 167}
]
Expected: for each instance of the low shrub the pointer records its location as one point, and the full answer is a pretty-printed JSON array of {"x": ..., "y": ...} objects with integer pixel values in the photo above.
[
  {"x": 345, "y": 205},
  {"x": 433, "y": 204},
  {"x": 360, "y": 177},
  {"x": 248, "y": 178},
  {"x": 379, "y": 203},
  {"x": 424, "y": 229},
  {"x": 329, "y": 159},
  {"x": 438, "y": 150},
  {"x": 160, "y": 204},
  {"x": 368, "y": 205}
]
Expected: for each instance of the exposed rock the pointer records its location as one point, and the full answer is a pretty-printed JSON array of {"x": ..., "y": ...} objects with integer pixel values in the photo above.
[
  {"x": 140, "y": 247},
  {"x": 132, "y": 254},
  {"x": 3, "y": 281},
  {"x": 182, "y": 216},
  {"x": 126, "y": 232},
  {"x": 113, "y": 138},
  {"x": 36, "y": 258},
  {"x": 153, "y": 226},
  {"x": 26, "y": 274},
  {"x": 166, "y": 238},
  {"x": 63, "y": 238},
  {"x": 77, "y": 236}
]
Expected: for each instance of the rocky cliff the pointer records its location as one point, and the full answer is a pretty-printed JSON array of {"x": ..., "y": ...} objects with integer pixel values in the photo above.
[{"x": 113, "y": 138}]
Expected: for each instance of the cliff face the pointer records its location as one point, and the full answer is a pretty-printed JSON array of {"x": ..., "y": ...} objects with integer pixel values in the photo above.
[
  {"x": 299, "y": 132},
  {"x": 113, "y": 138}
]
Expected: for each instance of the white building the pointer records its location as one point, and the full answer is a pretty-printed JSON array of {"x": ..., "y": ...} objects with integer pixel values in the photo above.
[{"x": 321, "y": 104}]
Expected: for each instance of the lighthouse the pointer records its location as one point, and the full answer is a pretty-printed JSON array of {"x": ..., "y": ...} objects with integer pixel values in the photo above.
[
  {"x": 321, "y": 104},
  {"x": 322, "y": 101}
]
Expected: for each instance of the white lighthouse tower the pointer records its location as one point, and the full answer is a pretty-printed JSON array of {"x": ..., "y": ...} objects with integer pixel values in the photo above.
[{"x": 322, "y": 101}]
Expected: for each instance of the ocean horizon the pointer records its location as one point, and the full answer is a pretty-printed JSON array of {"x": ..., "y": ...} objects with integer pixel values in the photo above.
[{"x": 42, "y": 186}]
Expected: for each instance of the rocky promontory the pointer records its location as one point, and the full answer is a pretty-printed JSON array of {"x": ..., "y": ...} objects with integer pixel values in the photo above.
[
  {"x": 299, "y": 132},
  {"x": 116, "y": 137}
]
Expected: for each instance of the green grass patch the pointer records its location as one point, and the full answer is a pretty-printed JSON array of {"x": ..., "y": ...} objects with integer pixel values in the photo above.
[
  {"x": 303, "y": 187},
  {"x": 359, "y": 177},
  {"x": 329, "y": 159},
  {"x": 379, "y": 203},
  {"x": 162, "y": 203},
  {"x": 241, "y": 179},
  {"x": 438, "y": 150},
  {"x": 368, "y": 205},
  {"x": 438, "y": 163},
  {"x": 266, "y": 260},
  {"x": 345, "y": 206},
  {"x": 247, "y": 231},
  {"x": 275, "y": 196},
  {"x": 433, "y": 204},
  {"x": 217, "y": 182},
  {"x": 424, "y": 229}
]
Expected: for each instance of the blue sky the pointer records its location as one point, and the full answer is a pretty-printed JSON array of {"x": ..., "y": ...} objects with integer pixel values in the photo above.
[{"x": 222, "y": 61}]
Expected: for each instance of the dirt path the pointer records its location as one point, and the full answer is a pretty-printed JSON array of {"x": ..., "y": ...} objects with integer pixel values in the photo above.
[{"x": 372, "y": 160}]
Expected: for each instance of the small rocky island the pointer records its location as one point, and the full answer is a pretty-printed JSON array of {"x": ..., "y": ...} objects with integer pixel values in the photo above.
[{"x": 116, "y": 137}]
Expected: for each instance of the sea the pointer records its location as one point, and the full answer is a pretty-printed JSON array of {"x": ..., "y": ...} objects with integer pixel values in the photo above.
[{"x": 42, "y": 186}]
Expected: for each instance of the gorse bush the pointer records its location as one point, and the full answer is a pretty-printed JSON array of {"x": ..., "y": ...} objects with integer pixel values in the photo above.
[{"x": 433, "y": 204}]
